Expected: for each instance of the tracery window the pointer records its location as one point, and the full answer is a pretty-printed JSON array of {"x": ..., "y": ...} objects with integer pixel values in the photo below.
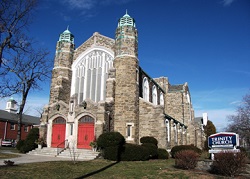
[
  {"x": 90, "y": 73},
  {"x": 145, "y": 89},
  {"x": 59, "y": 120},
  {"x": 86, "y": 119}
]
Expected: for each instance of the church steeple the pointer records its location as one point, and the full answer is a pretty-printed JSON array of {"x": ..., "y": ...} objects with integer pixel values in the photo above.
[
  {"x": 126, "y": 113},
  {"x": 126, "y": 20},
  {"x": 11, "y": 106},
  {"x": 61, "y": 74},
  {"x": 126, "y": 37},
  {"x": 66, "y": 36}
]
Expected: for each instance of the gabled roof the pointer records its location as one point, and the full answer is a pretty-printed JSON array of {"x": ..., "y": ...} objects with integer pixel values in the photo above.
[{"x": 12, "y": 117}]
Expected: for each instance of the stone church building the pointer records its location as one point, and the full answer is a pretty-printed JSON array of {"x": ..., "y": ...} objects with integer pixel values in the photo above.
[{"x": 100, "y": 87}]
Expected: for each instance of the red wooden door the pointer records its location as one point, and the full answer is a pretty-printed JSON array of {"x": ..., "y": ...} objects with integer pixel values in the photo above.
[
  {"x": 86, "y": 132},
  {"x": 58, "y": 133}
]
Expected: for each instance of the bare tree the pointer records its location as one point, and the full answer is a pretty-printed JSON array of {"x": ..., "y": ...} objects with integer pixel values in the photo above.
[
  {"x": 240, "y": 122},
  {"x": 21, "y": 73},
  {"x": 15, "y": 16}
]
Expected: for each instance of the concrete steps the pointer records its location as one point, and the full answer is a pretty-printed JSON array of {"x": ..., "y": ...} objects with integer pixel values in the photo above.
[{"x": 74, "y": 154}]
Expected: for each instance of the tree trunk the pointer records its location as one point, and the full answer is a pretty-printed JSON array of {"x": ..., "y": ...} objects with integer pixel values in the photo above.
[{"x": 20, "y": 113}]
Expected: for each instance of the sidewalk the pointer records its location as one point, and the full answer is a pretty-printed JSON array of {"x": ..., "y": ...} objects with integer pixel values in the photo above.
[{"x": 25, "y": 158}]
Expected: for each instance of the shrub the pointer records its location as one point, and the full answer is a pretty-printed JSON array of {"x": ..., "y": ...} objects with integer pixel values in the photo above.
[
  {"x": 133, "y": 152},
  {"x": 152, "y": 150},
  {"x": 19, "y": 144},
  {"x": 112, "y": 153},
  {"x": 186, "y": 159},
  {"x": 149, "y": 139},
  {"x": 110, "y": 139},
  {"x": 179, "y": 148},
  {"x": 162, "y": 154},
  {"x": 229, "y": 163},
  {"x": 29, "y": 143}
]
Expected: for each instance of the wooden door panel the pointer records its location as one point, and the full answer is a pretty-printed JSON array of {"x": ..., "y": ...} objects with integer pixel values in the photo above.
[
  {"x": 58, "y": 135},
  {"x": 85, "y": 135}
]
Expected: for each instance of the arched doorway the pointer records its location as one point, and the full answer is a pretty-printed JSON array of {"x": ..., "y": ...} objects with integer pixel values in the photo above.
[
  {"x": 86, "y": 132},
  {"x": 58, "y": 132}
]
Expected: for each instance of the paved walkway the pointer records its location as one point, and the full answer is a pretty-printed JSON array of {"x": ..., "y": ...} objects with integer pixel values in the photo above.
[{"x": 25, "y": 158}]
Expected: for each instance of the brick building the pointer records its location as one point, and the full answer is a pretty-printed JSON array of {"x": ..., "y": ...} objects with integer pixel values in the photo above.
[
  {"x": 100, "y": 87},
  {"x": 8, "y": 122}
]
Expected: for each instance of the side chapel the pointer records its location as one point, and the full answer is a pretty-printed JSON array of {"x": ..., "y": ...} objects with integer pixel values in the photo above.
[{"x": 100, "y": 87}]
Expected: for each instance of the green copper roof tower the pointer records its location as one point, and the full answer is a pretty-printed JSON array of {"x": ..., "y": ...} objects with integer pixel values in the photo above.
[
  {"x": 66, "y": 36},
  {"x": 126, "y": 20}
]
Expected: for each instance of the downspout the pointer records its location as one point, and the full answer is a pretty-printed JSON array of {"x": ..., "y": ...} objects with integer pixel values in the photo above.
[{"x": 5, "y": 130}]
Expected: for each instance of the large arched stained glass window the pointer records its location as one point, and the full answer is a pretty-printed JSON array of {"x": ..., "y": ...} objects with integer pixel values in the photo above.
[{"x": 90, "y": 73}]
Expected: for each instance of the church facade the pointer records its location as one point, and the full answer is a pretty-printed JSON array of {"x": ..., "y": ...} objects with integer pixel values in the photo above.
[{"x": 100, "y": 87}]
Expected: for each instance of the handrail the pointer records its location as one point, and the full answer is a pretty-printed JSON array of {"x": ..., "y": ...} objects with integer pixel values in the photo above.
[{"x": 62, "y": 146}]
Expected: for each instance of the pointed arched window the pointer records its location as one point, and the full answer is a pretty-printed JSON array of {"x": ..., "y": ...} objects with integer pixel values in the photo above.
[
  {"x": 161, "y": 99},
  {"x": 145, "y": 89},
  {"x": 90, "y": 72},
  {"x": 154, "y": 95}
]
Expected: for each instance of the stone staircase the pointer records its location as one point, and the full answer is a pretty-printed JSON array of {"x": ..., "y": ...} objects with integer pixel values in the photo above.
[{"x": 77, "y": 154}]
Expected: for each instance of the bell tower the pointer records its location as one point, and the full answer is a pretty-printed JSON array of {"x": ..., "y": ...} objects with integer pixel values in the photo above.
[
  {"x": 61, "y": 74},
  {"x": 126, "y": 116}
]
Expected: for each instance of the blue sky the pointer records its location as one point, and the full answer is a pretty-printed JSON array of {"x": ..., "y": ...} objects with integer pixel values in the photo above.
[{"x": 203, "y": 42}]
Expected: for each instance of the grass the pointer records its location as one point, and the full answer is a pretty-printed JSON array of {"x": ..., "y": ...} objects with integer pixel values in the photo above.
[{"x": 101, "y": 169}]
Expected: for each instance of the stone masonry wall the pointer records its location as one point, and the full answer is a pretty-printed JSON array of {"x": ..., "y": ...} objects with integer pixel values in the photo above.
[
  {"x": 173, "y": 105},
  {"x": 126, "y": 95},
  {"x": 152, "y": 122}
]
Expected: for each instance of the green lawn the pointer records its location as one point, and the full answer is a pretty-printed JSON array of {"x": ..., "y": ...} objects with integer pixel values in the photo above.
[{"x": 101, "y": 169}]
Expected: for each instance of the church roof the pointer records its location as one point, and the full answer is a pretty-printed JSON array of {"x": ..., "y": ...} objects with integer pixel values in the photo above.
[
  {"x": 12, "y": 117},
  {"x": 126, "y": 20},
  {"x": 66, "y": 36},
  {"x": 175, "y": 88}
]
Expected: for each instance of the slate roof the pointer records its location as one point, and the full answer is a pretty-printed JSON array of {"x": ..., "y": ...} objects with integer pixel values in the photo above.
[
  {"x": 174, "y": 88},
  {"x": 199, "y": 119},
  {"x": 12, "y": 117}
]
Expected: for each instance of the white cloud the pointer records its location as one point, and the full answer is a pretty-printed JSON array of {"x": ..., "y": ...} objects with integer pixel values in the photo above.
[
  {"x": 80, "y": 4},
  {"x": 89, "y": 4},
  {"x": 227, "y": 2}
]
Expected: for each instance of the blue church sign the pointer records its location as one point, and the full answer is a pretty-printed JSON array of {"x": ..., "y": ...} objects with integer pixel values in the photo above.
[{"x": 223, "y": 140}]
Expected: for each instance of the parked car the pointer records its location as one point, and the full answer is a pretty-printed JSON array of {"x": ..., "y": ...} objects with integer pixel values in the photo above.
[{"x": 7, "y": 142}]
